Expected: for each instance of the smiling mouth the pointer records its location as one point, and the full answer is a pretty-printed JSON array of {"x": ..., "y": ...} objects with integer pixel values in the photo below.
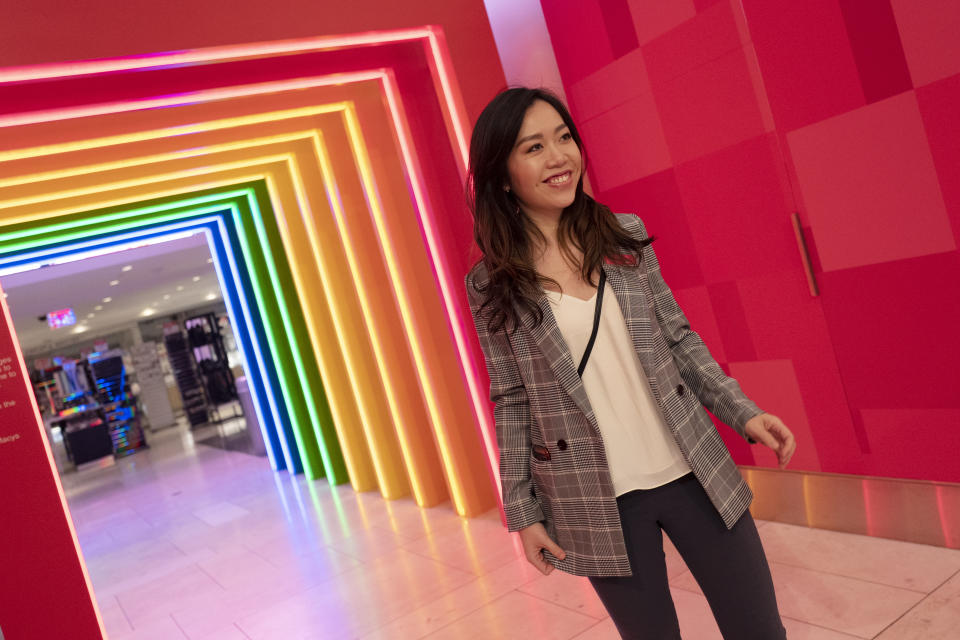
[{"x": 562, "y": 178}]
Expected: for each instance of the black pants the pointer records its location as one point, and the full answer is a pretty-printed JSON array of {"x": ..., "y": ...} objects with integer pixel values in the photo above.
[{"x": 729, "y": 566}]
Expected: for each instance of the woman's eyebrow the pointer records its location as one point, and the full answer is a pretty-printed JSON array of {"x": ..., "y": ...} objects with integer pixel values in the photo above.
[{"x": 536, "y": 136}]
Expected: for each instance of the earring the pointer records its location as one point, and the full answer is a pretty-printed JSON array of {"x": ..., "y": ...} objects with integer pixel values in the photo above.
[{"x": 507, "y": 188}]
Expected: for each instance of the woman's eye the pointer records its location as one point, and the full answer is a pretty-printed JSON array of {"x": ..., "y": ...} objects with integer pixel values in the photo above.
[
  {"x": 534, "y": 147},
  {"x": 566, "y": 136}
]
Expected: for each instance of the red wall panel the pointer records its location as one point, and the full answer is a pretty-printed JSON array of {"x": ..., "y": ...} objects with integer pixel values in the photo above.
[
  {"x": 56, "y": 30},
  {"x": 770, "y": 107}
]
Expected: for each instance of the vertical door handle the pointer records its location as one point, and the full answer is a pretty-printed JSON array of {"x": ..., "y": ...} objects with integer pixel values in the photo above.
[{"x": 804, "y": 254}]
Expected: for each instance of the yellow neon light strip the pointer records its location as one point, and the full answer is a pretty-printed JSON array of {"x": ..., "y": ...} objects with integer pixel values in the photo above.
[
  {"x": 391, "y": 487},
  {"x": 445, "y": 288}
]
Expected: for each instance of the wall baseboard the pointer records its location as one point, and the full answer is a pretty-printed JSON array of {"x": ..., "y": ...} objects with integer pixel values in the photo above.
[{"x": 911, "y": 510}]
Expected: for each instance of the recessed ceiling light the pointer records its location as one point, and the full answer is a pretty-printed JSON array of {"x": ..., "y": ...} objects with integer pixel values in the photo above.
[
  {"x": 114, "y": 283},
  {"x": 79, "y": 328},
  {"x": 147, "y": 312},
  {"x": 108, "y": 299},
  {"x": 180, "y": 287},
  {"x": 90, "y": 315},
  {"x": 209, "y": 260},
  {"x": 211, "y": 296},
  {"x": 99, "y": 307},
  {"x": 127, "y": 267},
  {"x": 196, "y": 278},
  {"x": 166, "y": 296}
]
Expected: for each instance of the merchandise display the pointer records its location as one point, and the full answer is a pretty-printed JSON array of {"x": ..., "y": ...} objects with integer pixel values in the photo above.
[
  {"x": 119, "y": 407},
  {"x": 153, "y": 387},
  {"x": 191, "y": 388}
]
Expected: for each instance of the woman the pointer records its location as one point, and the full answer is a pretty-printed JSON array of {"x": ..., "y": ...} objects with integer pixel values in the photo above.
[{"x": 597, "y": 460}]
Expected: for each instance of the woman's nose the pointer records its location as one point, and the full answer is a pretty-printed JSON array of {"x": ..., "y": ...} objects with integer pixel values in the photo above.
[{"x": 555, "y": 156}]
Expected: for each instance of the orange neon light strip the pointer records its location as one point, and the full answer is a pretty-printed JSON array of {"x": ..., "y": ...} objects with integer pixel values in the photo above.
[{"x": 444, "y": 277}]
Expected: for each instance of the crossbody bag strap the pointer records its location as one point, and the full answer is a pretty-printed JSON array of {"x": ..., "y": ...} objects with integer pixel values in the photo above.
[{"x": 596, "y": 324}]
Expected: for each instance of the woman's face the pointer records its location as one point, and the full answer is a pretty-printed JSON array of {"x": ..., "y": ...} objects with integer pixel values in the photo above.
[{"x": 544, "y": 165}]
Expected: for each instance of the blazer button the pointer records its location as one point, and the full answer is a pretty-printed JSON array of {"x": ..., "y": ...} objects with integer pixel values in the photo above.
[
  {"x": 680, "y": 389},
  {"x": 562, "y": 445}
]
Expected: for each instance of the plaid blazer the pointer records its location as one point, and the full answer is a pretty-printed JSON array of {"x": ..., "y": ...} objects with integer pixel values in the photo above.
[{"x": 539, "y": 401}]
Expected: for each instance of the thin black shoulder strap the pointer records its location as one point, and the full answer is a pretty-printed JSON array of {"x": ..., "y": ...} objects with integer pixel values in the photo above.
[{"x": 596, "y": 323}]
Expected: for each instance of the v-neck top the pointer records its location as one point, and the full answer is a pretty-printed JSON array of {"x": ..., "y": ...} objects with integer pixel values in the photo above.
[{"x": 641, "y": 451}]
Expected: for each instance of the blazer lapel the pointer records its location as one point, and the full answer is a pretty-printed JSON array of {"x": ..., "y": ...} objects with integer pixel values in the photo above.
[
  {"x": 554, "y": 349},
  {"x": 638, "y": 315},
  {"x": 626, "y": 286}
]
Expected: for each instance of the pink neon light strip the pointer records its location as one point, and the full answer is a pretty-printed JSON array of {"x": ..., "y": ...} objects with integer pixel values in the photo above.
[
  {"x": 227, "y": 53},
  {"x": 207, "y": 95}
]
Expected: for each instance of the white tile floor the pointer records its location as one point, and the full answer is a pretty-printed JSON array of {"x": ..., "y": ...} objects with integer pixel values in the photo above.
[{"x": 188, "y": 541}]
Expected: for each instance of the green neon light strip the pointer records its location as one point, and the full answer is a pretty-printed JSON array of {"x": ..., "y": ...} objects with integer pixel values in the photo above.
[
  {"x": 320, "y": 416},
  {"x": 311, "y": 420}
]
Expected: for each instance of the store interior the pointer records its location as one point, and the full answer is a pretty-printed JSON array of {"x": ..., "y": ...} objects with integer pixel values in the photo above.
[{"x": 128, "y": 344}]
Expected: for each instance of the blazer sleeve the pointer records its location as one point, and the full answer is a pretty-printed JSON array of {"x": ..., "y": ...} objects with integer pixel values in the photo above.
[
  {"x": 512, "y": 419},
  {"x": 717, "y": 391}
]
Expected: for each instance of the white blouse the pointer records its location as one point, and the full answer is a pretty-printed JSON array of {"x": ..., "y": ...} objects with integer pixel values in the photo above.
[{"x": 641, "y": 452}]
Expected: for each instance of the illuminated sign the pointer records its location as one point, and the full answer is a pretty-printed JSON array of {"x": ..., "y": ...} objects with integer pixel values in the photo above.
[{"x": 61, "y": 318}]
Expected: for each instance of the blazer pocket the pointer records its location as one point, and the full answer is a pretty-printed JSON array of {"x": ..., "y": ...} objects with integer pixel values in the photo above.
[{"x": 540, "y": 453}]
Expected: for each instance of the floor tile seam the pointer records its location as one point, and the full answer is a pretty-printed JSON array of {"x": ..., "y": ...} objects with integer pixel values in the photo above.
[
  {"x": 880, "y": 584},
  {"x": 452, "y": 622},
  {"x": 916, "y": 604},
  {"x": 177, "y": 625},
  {"x": 123, "y": 611},
  {"x": 589, "y": 629},
  {"x": 207, "y": 573},
  {"x": 860, "y": 537},
  {"x": 434, "y": 601},
  {"x": 561, "y": 605},
  {"x": 236, "y": 625},
  {"x": 826, "y": 628},
  {"x": 445, "y": 564},
  {"x": 842, "y": 575}
]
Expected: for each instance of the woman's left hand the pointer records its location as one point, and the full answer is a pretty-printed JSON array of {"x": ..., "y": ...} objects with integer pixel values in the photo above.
[{"x": 769, "y": 430}]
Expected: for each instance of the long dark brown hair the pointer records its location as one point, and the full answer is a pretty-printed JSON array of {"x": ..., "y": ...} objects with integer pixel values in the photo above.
[{"x": 504, "y": 232}]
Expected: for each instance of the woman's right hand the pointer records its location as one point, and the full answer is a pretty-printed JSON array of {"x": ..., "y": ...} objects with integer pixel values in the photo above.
[{"x": 534, "y": 539}]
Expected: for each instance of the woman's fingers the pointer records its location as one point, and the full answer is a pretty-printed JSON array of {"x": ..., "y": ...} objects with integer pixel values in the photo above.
[{"x": 535, "y": 540}]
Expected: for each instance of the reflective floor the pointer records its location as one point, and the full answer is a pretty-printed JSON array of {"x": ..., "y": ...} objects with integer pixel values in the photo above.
[{"x": 189, "y": 541}]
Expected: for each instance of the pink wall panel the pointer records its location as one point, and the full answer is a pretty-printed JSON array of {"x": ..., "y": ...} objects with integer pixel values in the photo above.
[
  {"x": 930, "y": 32},
  {"x": 894, "y": 331},
  {"x": 610, "y": 86},
  {"x": 913, "y": 443},
  {"x": 625, "y": 143},
  {"x": 876, "y": 47},
  {"x": 870, "y": 187},
  {"x": 620, "y": 32},
  {"x": 656, "y": 199},
  {"x": 773, "y": 385},
  {"x": 696, "y": 305},
  {"x": 807, "y": 63},
  {"x": 939, "y": 104},
  {"x": 694, "y": 43},
  {"x": 737, "y": 211},
  {"x": 654, "y": 17},
  {"x": 785, "y": 321},
  {"x": 579, "y": 37},
  {"x": 734, "y": 331},
  {"x": 769, "y": 107},
  {"x": 709, "y": 108}
]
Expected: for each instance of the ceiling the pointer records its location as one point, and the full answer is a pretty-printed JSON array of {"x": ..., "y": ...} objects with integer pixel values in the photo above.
[{"x": 162, "y": 278}]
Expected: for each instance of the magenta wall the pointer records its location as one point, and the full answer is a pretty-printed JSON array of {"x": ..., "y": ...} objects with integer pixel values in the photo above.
[{"x": 715, "y": 120}]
